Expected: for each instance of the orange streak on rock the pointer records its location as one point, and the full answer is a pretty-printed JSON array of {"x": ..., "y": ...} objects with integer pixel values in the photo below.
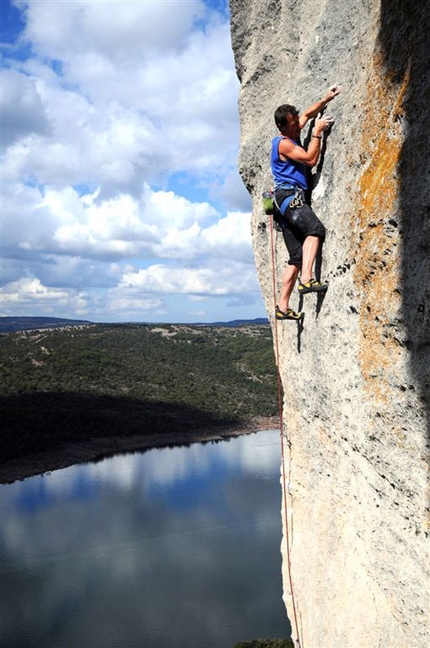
[{"x": 377, "y": 251}]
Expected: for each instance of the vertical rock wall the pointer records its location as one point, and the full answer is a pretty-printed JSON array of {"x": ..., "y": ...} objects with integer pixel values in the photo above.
[{"x": 356, "y": 374}]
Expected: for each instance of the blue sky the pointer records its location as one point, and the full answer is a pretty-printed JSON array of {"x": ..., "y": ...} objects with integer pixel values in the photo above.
[{"x": 121, "y": 199}]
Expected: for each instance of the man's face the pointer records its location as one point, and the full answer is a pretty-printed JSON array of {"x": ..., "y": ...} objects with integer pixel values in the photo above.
[{"x": 293, "y": 127}]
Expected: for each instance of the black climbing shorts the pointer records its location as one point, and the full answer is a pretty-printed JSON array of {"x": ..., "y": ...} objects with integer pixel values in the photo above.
[{"x": 296, "y": 225}]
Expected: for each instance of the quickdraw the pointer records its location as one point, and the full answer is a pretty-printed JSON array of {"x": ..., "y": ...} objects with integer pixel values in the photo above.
[{"x": 298, "y": 200}]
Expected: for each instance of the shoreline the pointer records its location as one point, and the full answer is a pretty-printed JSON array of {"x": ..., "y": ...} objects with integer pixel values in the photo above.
[{"x": 98, "y": 449}]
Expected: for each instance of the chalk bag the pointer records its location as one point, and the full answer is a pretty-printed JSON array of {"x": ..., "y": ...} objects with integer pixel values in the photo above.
[{"x": 268, "y": 202}]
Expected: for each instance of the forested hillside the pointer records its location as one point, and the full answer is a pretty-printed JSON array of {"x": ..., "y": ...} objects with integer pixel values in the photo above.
[{"x": 82, "y": 383}]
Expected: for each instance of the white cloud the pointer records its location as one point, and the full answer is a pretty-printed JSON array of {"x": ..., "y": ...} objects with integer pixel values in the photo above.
[
  {"x": 158, "y": 224},
  {"x": 119, "y": 115},
  {"x": 115, "y": 99},
  {"x": 232, "y": 191},
  {"x": 114, "y": 29},
  {"x": 213, "y": 279},
  {"x": 230, "y": 237},
  {"x": 21, "y": 106},
  {"x": 111, "y": 147},
  {"x": 29, "y": 292}
]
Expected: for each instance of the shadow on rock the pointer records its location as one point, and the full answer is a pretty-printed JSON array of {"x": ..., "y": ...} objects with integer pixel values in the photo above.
[{"x": 404, "y": 40}]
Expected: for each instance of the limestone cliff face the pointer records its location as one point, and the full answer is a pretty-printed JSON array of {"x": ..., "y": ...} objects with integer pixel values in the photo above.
[{"x": 356, "y": 374}]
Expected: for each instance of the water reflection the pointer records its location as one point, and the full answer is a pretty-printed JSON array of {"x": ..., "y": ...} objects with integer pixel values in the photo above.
[{"x": 171, "y": 548}]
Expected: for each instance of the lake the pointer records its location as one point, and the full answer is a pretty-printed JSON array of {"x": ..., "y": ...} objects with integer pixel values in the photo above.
[{"x": 171, "y": 548}]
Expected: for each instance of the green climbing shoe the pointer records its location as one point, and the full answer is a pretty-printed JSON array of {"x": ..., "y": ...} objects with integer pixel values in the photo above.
[
  {"x": 289, "y": 314},
  {"x": 312, "y": 286}
]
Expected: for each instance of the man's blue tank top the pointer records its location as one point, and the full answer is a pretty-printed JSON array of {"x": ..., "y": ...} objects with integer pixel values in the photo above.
[{"x": 287, "y": 171}]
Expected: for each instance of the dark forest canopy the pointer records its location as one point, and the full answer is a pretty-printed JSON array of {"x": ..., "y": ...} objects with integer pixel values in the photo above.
[{"x": 80, "y": 383}]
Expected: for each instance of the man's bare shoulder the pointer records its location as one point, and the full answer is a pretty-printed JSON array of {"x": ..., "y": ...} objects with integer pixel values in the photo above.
[{"x": 287, "y": 144}]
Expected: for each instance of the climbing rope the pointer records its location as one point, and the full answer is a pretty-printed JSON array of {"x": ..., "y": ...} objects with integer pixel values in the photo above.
[{"x": 282, "y": 436}]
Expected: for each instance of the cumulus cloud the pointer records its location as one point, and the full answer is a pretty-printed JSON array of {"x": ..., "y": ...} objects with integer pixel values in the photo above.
[
  {"x": 159, "y": 224},
  {"x": 209, "y": 280},
  {"x": 31, "y": 294},
  {"x": 22, "y": 108},
  {"x": 131, "y": 99},
  {"x": 61, "y": 30},
  {"x": 114, "y": 99}
]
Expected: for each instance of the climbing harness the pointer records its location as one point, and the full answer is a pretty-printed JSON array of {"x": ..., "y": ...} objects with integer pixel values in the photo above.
[
  {"x": 289, "y": 200},
  {"x": 283, "y": 436}
]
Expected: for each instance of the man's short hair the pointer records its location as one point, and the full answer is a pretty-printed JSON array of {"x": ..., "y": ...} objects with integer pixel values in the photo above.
[{"x": 281, "y": 114}]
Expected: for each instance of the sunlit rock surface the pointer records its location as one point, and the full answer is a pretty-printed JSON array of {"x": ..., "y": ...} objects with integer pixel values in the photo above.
[{"x": 356, "y": 377}]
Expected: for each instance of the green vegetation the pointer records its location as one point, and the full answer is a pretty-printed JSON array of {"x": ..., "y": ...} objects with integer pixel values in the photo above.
[
  {"x": 216, "y": 369},
  {"x": 85, "y": 382}
]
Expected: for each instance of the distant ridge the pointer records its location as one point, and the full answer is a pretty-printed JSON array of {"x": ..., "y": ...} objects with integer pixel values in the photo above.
[
  {"x": 10, "y": 324},
  {"x": 242, "y": 322}
]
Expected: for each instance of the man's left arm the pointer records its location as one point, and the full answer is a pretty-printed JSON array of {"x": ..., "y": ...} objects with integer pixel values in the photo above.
[{"x": 317, "y": 107}]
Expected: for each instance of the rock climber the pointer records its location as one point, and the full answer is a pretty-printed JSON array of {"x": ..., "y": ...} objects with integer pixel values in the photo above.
[{"x": 303, "y": 232}]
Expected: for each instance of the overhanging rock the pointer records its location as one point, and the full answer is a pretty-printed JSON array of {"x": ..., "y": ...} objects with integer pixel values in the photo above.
[{"x": 356, "y": 374}]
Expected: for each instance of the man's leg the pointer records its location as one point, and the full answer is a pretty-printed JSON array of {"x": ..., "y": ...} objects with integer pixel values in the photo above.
[
  {"x": 291, "y": 270},
  {"x": 288, "y": 280},
  {"x": 313, "y": 231},
  {"x": 310, "y": 251}
]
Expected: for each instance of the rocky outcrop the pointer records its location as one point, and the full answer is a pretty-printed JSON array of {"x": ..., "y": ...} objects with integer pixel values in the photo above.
[{"x": 355, "y": 375}]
